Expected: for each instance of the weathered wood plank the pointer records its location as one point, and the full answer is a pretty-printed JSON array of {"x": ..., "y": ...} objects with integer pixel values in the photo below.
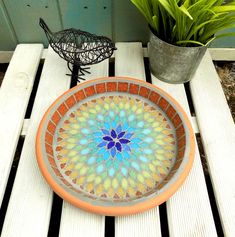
[
  {"x": 98, "y": 70},
  {"x": 189, "y": 212},
  {"x": 8, "y": 38},
  {"x": 222, "y": 54},
  {"x": 44, "y": 53},
  {"x": 128, "y": 23},
  {"x": 74, "y": 221},
  {"x": 139, "y": 225},
  {"x": 195, "y": 125},
  {"x": 91, "y": 16},
  {"x": 218, "y": 135},
  {"x": 29, "y": 208},
  {"x": 27, "y": 29},
  {"x": 129, "y": 62},
  {"x": 5, "y": 56},
  {"x": 25, "y": 127},
  {"x": 14, "y": 96}
]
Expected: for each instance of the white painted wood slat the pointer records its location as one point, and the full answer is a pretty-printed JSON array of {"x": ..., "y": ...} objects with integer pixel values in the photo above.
[
  {"x": 25, "y": 127},
  {"x": 129, "y": 62},
  {"x": 29, "y": 208},
  {"x": 222, "y": 54},
  {"x": 14, "y": 96},
  {"x": 195, "y": 125},
  {"x": 76, "y": 222},
  {"x": 218, "y": 134},
  {"x": 189, "y": 212}
]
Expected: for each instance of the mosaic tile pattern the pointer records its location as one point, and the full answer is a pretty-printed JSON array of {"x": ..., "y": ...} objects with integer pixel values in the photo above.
[{"x": 115, "y": 147}]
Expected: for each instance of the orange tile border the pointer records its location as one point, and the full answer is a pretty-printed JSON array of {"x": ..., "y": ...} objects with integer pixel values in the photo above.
[
  {"x": 80, "y": 95},
  {"x": 163, "y": 104},
  {"x": 49, "y": 149},
  {"x": 111, "y": 86},
  {"x": 100, "y": 88},
  {"x": 89, "y": 91},
  {"x": 181, "y": 142},
  {"x": 180, "y": 131},
  {"x": 171, "y": 113},
  {"x": 144, "y": 92},
  {"x": 70, "y": 102},
  {"x": 154, "y": 97},
  {"x": 180, "y": 154},
  {"x": 51, "y": 127},
  {"x": 122, "y": 86},
  {"x": 49, "y": 138},
  {"x": 55, "y": 117},
  {"x": 134, "y": 89},
  {"x": 176, "y": 121},
  {"x": 62, "y": 109}
]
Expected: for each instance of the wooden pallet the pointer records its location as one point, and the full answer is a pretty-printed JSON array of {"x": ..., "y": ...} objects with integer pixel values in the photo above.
[{"x": 190, "y": 212}]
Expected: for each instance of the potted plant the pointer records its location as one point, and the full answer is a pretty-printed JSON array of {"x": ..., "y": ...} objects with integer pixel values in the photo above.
[{"x": 181, "y": 30}]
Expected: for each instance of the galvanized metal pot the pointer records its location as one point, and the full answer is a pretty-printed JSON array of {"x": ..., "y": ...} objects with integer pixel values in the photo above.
[{"x": 173, "y": 64}]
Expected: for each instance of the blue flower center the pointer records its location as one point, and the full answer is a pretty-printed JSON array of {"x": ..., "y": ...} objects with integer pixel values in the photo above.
[{"x": 116, "y": 140}]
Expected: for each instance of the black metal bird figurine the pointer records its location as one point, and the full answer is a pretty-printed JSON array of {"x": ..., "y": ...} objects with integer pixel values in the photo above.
[{"x": 79, "y": 48}]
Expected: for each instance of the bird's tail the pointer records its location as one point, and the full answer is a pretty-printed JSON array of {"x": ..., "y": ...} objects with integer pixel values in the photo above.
[{"x": 44, "y": 26}]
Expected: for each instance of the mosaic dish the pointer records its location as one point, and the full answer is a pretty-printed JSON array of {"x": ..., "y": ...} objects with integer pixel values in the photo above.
[{"x": 115, "y": 146}]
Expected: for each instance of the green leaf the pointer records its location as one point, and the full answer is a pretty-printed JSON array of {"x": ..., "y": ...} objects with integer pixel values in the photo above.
[
  {"x": 185, "y": 11},
  {"x": 214, "y": 30},
  {"x": 209, "y": 41},
  {"x": 224, "y": 8},
  {"x": 167, "y": 7},
  {"x": 189, "y": 42},
  {"x": 156, "y": 23},
  {"x": 198, "y": 28},
  {"x": 187, "y": 3}
]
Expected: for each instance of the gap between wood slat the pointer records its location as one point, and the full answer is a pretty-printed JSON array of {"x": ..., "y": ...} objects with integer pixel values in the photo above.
[
  {"x": 111, "y": 67},
  {"x": 214, "y": 207},
  {"x": 34, "y": 91},
  {"x": 109, "y": 226},
  {"x": 164, "y": 221},
  {"x": 54, "y": 225},
  {"x": 147, "y": 70},
  {"x": 10, "y": 182}
]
